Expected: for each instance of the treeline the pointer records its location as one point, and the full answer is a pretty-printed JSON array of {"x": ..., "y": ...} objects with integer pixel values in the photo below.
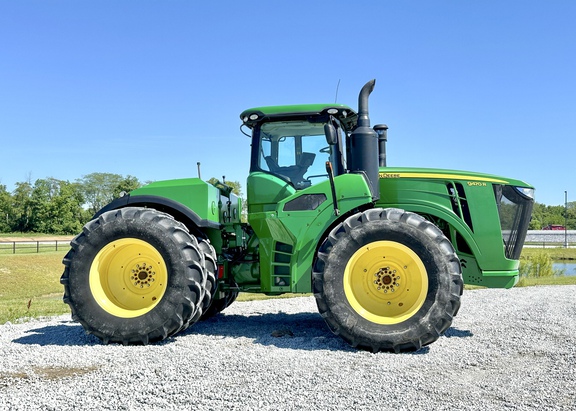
[
  {"x": 55, "y": 206},
  {"x": 545, "y": 215}
]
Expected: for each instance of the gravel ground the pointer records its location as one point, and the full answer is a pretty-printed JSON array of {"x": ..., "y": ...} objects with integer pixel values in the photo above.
[{"x": 506, "y": 349}]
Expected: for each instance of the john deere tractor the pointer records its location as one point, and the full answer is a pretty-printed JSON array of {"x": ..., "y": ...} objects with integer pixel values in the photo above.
[{"x": 384, "y": 250}]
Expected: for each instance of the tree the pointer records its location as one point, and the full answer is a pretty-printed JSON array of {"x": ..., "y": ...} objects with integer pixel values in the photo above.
[
  {"x": 99, "y": 189},
  {"x": 5, "y": 209},
  {"x": 56, "y": 207},
  {"x": 236, "y": 186},
  {"x": 41, "y": 195},
  {"x": 21, "y": 207},
  {"x": 544, "y": 215},
  {"x": 126, "y": 185},
  {"x": 67, "y": 214},
  {"x": 538, "y": 216}
]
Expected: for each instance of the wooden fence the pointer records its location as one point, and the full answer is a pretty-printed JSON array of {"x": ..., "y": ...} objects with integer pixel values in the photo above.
[{"x": 27, "y": 246}]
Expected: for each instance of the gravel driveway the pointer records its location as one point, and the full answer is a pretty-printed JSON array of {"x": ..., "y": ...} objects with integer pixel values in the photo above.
[{"x": 506, "y": 349}]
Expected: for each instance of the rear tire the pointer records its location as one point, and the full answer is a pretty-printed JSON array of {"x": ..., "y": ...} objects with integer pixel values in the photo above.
[
  {"x": 387, "y": 280},
  {"x": 211, "y": 280},
  {"x": 219, "y": 305},
  {"x": 134, "y": 276}
]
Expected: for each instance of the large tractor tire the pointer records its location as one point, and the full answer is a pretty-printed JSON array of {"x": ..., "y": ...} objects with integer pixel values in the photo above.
[
  {"x": 387, "y": 280},
  {"x": 211, "y": 280},
  {"x": 218, "y": 305},
  {"x": 134, "y": 276}
]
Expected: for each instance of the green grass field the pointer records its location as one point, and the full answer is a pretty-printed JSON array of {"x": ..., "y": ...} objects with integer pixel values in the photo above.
[
  {"x": 30, "y": 283},
  {"x": 554, "y": 253}
]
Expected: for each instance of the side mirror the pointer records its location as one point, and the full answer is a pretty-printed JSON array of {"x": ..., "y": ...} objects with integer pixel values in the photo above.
[{"x": 331, "y": 135}]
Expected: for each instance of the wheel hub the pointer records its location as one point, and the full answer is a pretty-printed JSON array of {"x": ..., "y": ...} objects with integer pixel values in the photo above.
[
  {"x": 142, "y": 275},
  {"x": 387, "y": 280}
]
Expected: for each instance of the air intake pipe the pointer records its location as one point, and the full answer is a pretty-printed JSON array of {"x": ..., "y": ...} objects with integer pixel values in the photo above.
[
  {"x": 364, "y": 144},
  {"x": 382, "y": 132}
]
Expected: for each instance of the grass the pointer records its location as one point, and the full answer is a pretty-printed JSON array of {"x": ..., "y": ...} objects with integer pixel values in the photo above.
[
  {"x": 533, "y": 281},
  {"x": 30, "y": 283},
  {"x": 536, "y": 267},
  {"x": 258, "y": 296},
  {"x": 31, "y": 286},
  {"x": 558, "y": 253}
]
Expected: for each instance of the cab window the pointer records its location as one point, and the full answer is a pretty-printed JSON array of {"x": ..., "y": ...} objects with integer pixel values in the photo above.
[{"x": 295, "y": 151}]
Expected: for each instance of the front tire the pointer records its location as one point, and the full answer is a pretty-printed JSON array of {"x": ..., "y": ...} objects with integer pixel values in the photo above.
[
  {"x": 134, "y": 276},
  {"x": 387, "y": 280}
]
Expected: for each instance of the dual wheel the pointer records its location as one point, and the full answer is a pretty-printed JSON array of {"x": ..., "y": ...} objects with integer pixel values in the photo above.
[
  {"x": 387, "y": 280},
  {"x": 135, "y": 275}
]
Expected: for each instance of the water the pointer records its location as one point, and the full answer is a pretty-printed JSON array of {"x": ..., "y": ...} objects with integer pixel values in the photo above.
[{"x": 568, "y": 267}]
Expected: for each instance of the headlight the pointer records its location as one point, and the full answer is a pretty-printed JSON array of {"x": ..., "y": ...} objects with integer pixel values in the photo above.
[{"x": 527, "y": 192}]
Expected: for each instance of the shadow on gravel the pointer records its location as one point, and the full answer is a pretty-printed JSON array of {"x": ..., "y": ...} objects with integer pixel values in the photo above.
[
  {"x": 301, "y": 331},
  {"x": 456, "y": 333},
  {"x": 64, "y": 334}
]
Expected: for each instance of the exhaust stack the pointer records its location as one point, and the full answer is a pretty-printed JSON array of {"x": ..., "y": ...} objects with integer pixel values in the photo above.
[{"x": 364, "y": 144}]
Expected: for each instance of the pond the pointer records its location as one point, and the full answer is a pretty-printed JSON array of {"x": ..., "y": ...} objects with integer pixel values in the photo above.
[{"x": 568, "y": 267}]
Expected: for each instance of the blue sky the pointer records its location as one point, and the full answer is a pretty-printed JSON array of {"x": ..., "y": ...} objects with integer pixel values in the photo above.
[{"x": 149, "y": 88}]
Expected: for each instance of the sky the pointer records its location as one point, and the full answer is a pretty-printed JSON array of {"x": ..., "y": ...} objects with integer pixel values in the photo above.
[{"x": 148, "y": 88}]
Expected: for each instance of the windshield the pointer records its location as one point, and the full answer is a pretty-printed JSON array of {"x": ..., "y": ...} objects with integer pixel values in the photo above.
[{"x": 296, "y": 151}]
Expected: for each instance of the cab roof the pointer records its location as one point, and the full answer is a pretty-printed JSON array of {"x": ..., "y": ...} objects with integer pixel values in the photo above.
[{"x": 345, "y": 114}]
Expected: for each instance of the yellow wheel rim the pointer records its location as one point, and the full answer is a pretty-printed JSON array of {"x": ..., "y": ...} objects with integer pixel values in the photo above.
[
  {"x": 385, "y": 282},
  {"x": 128, "y": 277}
]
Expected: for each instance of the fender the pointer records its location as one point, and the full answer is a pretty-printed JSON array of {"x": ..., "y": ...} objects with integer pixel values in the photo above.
[
  {"x": 163, "y": 204},
  {"x": 442, "y": 214}
]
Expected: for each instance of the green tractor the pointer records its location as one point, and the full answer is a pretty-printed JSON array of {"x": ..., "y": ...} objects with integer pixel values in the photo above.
[{"x": 385, "y": 250}]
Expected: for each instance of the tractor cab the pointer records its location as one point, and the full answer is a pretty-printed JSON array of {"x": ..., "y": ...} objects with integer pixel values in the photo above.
[
  {"x": 290, "y": 149},
  {"x": 290, "y": 144}
]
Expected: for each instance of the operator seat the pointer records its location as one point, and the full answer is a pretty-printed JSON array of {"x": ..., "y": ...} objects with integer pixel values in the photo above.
[
  {"x": 295, "y": 173},
  {"x": 272, "y": 164},
  {"x": 306, "y": 160}
]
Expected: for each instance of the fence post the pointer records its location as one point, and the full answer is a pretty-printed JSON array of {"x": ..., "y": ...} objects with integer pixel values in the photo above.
[
  {"x": 13, "y": 247},
  {"x": 37, "y": 247}
]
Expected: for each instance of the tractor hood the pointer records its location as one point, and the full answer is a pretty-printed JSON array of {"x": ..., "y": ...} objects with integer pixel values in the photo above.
[
  {"x": 473, "y": 203},
  {"x": 446, "y": 174}
]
